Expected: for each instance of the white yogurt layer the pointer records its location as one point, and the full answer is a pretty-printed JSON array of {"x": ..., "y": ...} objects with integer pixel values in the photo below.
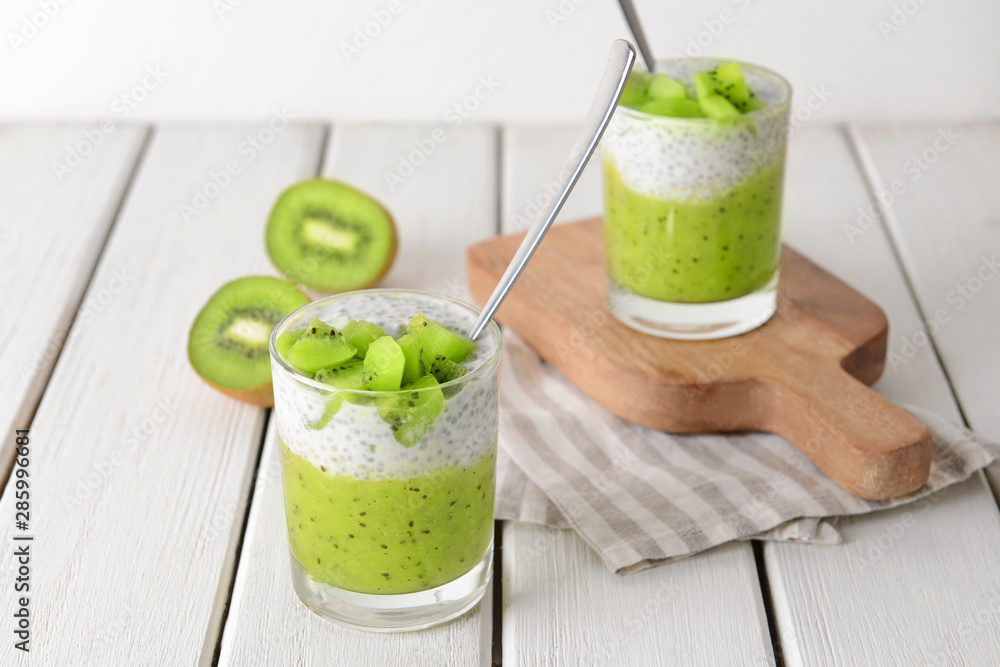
[
  {"x": 357, "y": 442},
  {"x": 689, "y": 159}
]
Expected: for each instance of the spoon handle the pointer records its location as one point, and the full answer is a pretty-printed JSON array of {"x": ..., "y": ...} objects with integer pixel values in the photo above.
[
  {"x": 632, "y": 18},
  {"x": 608, "y": 91}
]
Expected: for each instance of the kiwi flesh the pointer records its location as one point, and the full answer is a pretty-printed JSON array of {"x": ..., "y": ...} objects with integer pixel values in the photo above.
[
  {"x": 321, "y": 346},
  {"x": 228, "y": 342},
  {"x": 677, "y": 107},
  {"x": 384, "y": 365},
  {"x": 286, "y": 340},
  {"x": 413, "y": 366},
  {"x": 349, "y": 375},
  {"x": 438, "y": 340},
  {"x": 330, "y": 408},
  {"x": 445, "y": 370},
  {"x": 410, "y": 413},
  {"x": 361, "y": 334},
  {"x": 719, "y": 108},
  {"x": 329, "y": 236},
  {"x": 730, "y": 84},
  {"x": 662, "y": 87}
]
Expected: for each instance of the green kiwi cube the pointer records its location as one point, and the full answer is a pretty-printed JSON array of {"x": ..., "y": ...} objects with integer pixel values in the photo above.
[
  {"x": 662, "y": 87},
  {"x": 413, "y": 367},
  {"x": 438, "y": 340},
  {"x": 286, "y": 340},
  {"x": 719, "y": 108},
  {"x": 730, "y": 84},
  {"x": 360, "y": 334},
  {"x": 705, "y": 85},
  {"x": 321, "y": 346},
  {"x": 348, "y": 375},
  {"x": 631, "y": 98},
  {"x": 634, "y": 93},
  {"x": 331, "y": 408},
  {"x": 412, "y": 412},
  {"x": 384, "y": 364},
  {"x": 639, "y": 79},
  {"x": 674, "y": 107},
  {"x": 445, "y": 370}
]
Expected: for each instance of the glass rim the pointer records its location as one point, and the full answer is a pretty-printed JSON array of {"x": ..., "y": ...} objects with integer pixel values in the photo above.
[
  {"x": 785, "y": 100},
  {"x": 300, "y": 377}
]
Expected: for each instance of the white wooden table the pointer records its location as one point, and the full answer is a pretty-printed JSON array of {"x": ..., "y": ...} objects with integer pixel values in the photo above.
[{"x": 155, "y": 508}]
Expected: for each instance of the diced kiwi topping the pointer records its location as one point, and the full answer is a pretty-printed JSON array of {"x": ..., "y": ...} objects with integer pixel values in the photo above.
[
  {"x": 410, "y": 369},
  {"x": 720, "y": 93}
]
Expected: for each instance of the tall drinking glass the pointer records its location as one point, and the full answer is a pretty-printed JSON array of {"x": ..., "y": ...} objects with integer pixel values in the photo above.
[
  {"x": 386, "y": 536},
  {"x": 692, "y": 212}
]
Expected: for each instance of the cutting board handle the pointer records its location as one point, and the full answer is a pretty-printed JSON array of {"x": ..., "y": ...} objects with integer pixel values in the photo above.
[{"x": 868, "y": 445}]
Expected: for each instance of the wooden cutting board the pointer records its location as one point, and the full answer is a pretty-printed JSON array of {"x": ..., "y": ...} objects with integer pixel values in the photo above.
[{"x": 803, "y": 375}]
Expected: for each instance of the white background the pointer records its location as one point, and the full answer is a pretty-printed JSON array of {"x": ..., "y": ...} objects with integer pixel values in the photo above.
[{"x": 235, "y": 59}]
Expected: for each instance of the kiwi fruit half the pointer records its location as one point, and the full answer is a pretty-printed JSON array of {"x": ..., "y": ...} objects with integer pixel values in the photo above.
[
  {"x": 330, "y": 237},
  {"x": 228, "y": 342}
]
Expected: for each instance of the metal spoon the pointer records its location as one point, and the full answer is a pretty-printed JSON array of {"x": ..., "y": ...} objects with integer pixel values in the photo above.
[
  {"x": 632, "y": 18},
  {"x": 608, "y": 91}
]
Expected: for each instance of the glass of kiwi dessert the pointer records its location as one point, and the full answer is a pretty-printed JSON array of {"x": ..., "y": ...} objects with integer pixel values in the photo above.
[
  {"x": 387, "y": 417},
  {"x": 693, "y": 174}
]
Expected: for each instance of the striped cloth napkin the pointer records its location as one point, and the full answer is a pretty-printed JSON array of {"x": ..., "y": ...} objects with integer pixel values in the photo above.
[{"x": 641, "y": 497}]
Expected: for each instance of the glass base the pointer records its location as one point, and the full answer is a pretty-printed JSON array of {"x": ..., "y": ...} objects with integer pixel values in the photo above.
[
  {"x": 693, "y": 321},
  {"x": 394, "y": 613}
]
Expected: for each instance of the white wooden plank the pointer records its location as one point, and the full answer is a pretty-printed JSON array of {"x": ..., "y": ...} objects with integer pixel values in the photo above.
[
  {"x": 561, "y": 605},
  {"x": 946, "y": 226},
  {"x": 138, "y": 467},
  {"x": 53, "y": 223},
  {"x": 447, "y": 203},
  {"x": 529, "y": 182},
  {"x": 908, "y": 585}
]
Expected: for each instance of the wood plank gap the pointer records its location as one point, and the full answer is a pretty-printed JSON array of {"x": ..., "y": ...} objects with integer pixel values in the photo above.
[
  {"x": 224, "y": 594},
  {"x": 765, "y": 592},
  {"x": 7, "y": 460},
  {"x": 324, "y": 143},
  {"x": 498, "y": 525},
  {"x": 874, "y": 185},
  {"x": 499, "y": 178},
  {"x": 497, "y": 593}
]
